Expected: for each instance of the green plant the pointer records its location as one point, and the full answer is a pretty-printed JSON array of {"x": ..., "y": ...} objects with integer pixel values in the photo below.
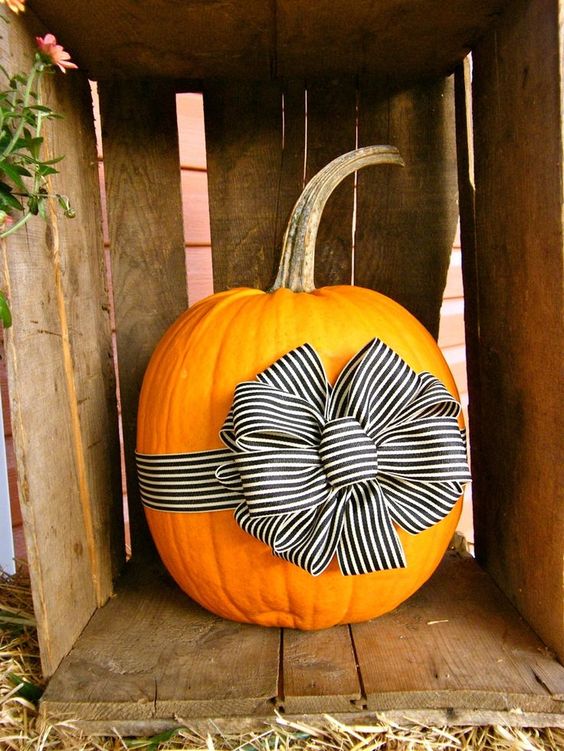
[{"x": 24, "y": 174}]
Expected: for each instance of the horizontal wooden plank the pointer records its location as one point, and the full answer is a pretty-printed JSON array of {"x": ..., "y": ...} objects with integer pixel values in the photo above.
[
  {"x": 198, "y": 39},
  {"x": 438, "y": 718},
  {"x": 153, "y": 653},
  {"x": 456, "y": 650},
  {"x": 458, "y": 638}
]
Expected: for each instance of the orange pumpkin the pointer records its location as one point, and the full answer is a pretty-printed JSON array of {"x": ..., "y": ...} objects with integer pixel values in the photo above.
[{"x": 187, "y": 392}]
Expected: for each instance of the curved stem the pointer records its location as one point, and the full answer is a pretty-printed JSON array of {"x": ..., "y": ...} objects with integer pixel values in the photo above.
[
  {"x": 296, "y": 269},
  {"x": 25, "y": 104}
]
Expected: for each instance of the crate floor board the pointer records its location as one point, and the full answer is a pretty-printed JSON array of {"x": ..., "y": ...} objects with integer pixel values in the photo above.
[{"x": 151, "y": 658}]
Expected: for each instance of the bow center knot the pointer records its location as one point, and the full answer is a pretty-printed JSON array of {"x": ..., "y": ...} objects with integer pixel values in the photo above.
[{"x": 347, "y": 454}]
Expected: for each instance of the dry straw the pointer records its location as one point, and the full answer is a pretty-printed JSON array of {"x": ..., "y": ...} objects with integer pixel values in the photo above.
[{"x": 21, "y": 684}]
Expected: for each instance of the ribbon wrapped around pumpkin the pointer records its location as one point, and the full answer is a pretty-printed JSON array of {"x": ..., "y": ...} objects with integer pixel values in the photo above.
[{"x": 315, "y": 470}]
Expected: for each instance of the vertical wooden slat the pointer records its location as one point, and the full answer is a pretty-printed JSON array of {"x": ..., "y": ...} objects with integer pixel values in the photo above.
[
  {"x": 519, "y": 236},
  {"x": 244, "y": 147},
  {"x": 146, "y": 239},
  {"x": 257, "y": 160},
  {"x": 292, "y": 167},
  {"x": 331, "y": 131},
  {"x": 60, "y": 374},
  {"x": 406, "y": 217}
]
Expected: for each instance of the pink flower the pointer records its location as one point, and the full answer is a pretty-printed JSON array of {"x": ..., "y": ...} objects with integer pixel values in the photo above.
[
  {"x": 15, "y": 5},
  {"x": 53, "y": 52}
]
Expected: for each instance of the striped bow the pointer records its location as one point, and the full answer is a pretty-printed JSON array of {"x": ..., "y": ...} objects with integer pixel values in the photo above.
[{"x": 313, "y": 470}]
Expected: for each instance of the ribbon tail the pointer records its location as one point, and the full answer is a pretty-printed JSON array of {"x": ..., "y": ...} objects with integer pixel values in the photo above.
[
  {"x": 308, "y": 540},
  {"x": 185, "y": 482},
  {"x": 369, "y": 541}
]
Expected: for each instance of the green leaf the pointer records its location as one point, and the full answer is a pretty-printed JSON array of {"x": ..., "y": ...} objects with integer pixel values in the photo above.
[
  {"x": 54, "y": 161},
  {"x": 8, "y": 199},
  {"x": 33, "y": 145},
  {"x": 14, "y": 173},
  {"x": 41, "y": 108},
  {"x": 5, "y": 313},
  {"x": 43, "y": 170},
  {"x": 29, "y": 691}
]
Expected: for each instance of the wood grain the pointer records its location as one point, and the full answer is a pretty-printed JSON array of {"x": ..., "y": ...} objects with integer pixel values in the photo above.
[
  {"x": 244, "y": 148},
  {"x": 457, "y": 652},
  {"x": 258, "y": 160},
  {"x": 142, "y": 173},
  {"x": 331, "y": 131},
  {"x": 257, "y": 40},
  {"x": 456, "y": 641},
  {"x": 61, "y": 380},
  {"x": 153, "y": 653},
  {"x": 406, "y": 218},
  {"x": 319, "y": 671},
  {"x": 519, "y": 237},
  {"x": 437, "y": 718}
]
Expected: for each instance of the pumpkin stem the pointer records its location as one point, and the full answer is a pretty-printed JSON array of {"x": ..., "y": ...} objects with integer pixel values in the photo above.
[{"x": 296, "y": 269}]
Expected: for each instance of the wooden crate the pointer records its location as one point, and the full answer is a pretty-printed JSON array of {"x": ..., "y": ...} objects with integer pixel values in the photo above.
[{"x": 125, "y": 649}]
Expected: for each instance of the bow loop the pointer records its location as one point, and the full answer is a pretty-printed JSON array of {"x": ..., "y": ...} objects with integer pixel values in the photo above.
[{"x": 264, "y": 418}]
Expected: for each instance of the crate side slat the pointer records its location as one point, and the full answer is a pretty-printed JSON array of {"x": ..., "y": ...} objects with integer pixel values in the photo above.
[
  {"x": 319, "y": 671},
  {"x": 458, "y": 638},
  {"x": 151, "y": 652},
  {"x": 407, "y": 217},
  {"x": 142, "y": 173},
  {"x": 60, "y": 374},
  {"x": 519, "y": 509}
]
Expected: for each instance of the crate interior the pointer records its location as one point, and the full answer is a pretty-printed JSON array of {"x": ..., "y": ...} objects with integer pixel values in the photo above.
[{"x": 148, "y": 657}]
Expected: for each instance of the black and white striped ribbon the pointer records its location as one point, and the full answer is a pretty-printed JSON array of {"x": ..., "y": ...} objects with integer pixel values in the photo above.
[{"x": 315, "y": 470}]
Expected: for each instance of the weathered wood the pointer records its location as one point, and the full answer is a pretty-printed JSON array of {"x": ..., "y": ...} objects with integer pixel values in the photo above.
[
  {"x": 331, "y": 131},
  {"x": 262, "y": 147},
  {"x": 319, "y": 671},
  {"x": 152, "y": 653},
  {"x": 60, "y": 373},
  {"x": 456, "y": 651},
  {"x": 244, "y": 147},
  {"x": 456, "y": 641},
  {"x": 518, "y": 434},
  {"x": 293, "y": 167},
  {"x": 432, "y": 718},
  {"x": 199, "y": 39},
  {"x": 142, "y": 173},
  {"x": 406, "y": 219}
]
